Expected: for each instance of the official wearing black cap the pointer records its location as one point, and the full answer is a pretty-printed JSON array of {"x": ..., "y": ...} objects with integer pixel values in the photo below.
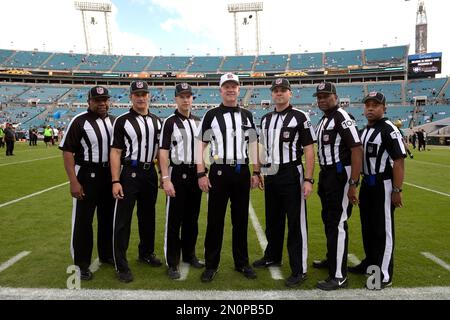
[
  {"x": 135, "y": 147},
  {"x": 286, "y": 133},
  {"x": 85, "y": 149},
  {"x": 179, "y": 176},
  {"x": 381, "y": 193},
  {"x": 340, "y": 156}
]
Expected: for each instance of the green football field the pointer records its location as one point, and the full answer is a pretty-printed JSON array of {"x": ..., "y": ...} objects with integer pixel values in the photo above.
[{"x": 35, "y": 229}]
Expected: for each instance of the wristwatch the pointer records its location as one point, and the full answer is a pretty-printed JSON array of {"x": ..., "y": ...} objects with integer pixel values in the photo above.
[
  {"x": 397, "y": 190},
  {"x": 310, "y": 180},
  {"x": 352, "y": 182}
]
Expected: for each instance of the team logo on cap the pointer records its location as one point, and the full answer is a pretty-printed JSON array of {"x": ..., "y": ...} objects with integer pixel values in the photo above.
[
  {"x": 139, "y": 84},
  {"x": 100, "y": 90},
  {"x": 184, "y": 86},
  {"x": 230, "y": 76},
  {"x": 372, "y": 94},
  {"x": 279, "y": 81},
  {"x": 321, "y": 86}
]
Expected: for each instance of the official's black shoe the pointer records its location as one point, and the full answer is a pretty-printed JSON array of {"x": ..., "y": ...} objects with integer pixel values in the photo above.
[
  {"x": 382, "y": 286},
  {"x": 173, "y": 273},
  {"x": 332, "y": 284},
  {"x": 264, "y": 263},
  {"x": 125, "y": 276},
  {"x": 247, "y": 271},
  {"x": 358, "y": 269},
  {"x": 86, "y": 275},
  {"x": 196, "y": 263},
  {"x": 320, "y": 264},
  {"x": 151, "y": 260},
  {"x": 295, "y": 280},
  {"x": 208, "y": 275},
  {"x": 107, "y": 261}
]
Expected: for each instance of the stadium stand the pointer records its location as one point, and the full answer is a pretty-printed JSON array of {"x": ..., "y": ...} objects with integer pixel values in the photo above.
[
  {"x": 386, "y": 55},
  {"x": 5, "y": 55},
  {"x": 205, "y": 64},
  {"x": 27, "y": 59},
  {"x": 429, "y": 88},
  {"x": 392, "y": 91},
  {"x": 97, "y": 62},
  {"x": 63, "y": 61},
  {"x": 132, "y": 63},
  {"x": 306, "y": 61},
  {"x": 169, "y": 64},
  {"x": 238, "y": 63},
  {"x": 271, "y": 63},
  {"x": 341, "y": 59}
]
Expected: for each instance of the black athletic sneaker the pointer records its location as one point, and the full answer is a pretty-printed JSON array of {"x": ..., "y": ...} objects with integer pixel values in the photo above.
[
  {"x": 295, "y": 280},
  {"x": 208, "y": 275},
  {"x": 151, "y": 260},
  {"x": 332, "y": 284},
  {"x": 359, "y": 269},
  {"x": 194, "y": 262},
  {"x": 125, "y": 276},
  {"x": 173, "y": 273},
  {"x": 86, "y": 275},
  {"x": 264, "y": 263},
  {"x": 247, "y": 271},
  {"x": 320, "y": 264}
]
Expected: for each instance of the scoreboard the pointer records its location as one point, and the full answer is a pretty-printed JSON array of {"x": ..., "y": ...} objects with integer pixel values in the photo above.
[{"x": 424, "y": 65}]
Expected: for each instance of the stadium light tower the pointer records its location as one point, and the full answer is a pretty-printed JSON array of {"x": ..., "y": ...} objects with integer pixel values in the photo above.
[
  {"x": 245, "y": 7},
  {"x": 95, "y": 7},
  {"x": 421, "y": 28}
]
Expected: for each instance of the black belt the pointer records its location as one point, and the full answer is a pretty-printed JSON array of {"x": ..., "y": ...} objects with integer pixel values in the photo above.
[
  {"x": 183, "y": 165},
  {"x": 336, "y": 166},
  {"x": 284, "y": 165},
  {"x": 138, "y": 164},
  {"x": 92, "y": 164}
]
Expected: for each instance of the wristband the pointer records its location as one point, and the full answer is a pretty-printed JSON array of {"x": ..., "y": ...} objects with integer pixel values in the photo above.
[
  {"x": 115, "y": 181},
  {"x": 201, "y": 174},
  {"x": 165, "y": 177}
]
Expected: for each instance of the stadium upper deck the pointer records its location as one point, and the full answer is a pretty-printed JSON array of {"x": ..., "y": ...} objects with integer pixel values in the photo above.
[{"x": 35, "y": 60}]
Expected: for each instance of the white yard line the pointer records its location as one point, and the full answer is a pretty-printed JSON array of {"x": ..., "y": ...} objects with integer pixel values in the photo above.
[
  {"x": 353, "y": 259},
  {"x": 426, "y": 189},
  {"x": 26, "y": 161},
  {"x": 435, "y": 259},
  {"x": 32, "y": 195},
  {"x": 430, "y": 163},
  {"x": 425, "y": 293},
  {"x": 274, "y": 271},
  {"x": 13, "y": 260}
]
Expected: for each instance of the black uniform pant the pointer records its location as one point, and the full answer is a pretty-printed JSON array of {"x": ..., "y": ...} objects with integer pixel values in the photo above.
[
  {"x": 377, "y": 225},
  {"x": 336, "y": 210},
  {"x": 96, "y": 184},
  {"x": 139, "y": 186},
  {"x": 284, "y": 197},
  {"x": 182, "y": 213},
  {"x": 228, "y": 183},
  {"x": 9, "y": 147}
]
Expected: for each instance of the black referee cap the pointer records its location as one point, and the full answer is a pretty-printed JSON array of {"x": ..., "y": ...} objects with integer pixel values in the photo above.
[
  {"x": 377, "y": 96},
  {"x": 139, "y": 86},
  {"x": 325, "y": 87},
  {"x": 98, "y": 92},
  {"x": 280, "y": 82},
  {"x": 182, "y": 88}
]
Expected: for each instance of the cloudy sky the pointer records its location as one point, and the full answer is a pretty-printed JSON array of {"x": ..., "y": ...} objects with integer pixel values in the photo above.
[{"x": 201, "y": 27}]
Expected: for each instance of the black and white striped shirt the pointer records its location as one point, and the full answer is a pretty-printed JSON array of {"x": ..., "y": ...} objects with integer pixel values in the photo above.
[
  {"x": 137, "y": 136},
  {"x": 382, "y": 144},
  {"x": 88, "y": 136},
  {"x": 284, "y": 134},
  {"x": 229, "y": 130},
  {"x": 178, "y": 136},
  {"x": 336, "y": 134}
]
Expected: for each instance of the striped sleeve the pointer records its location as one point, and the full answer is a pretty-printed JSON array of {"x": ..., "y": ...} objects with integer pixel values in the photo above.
[
  {"x": 166, "y": 133},
  {"x": 347, "y": 129},
  {"x": 394, "y": 141}
]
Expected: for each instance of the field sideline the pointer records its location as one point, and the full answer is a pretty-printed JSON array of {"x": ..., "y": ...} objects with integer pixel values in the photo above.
[{"x": 35, "y": 217}]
